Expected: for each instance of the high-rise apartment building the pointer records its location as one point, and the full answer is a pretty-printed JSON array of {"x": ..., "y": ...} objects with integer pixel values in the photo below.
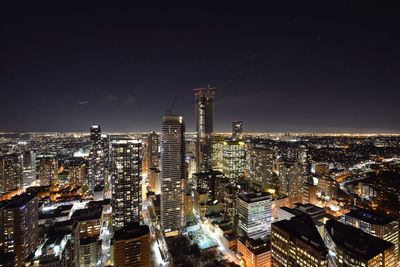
[
  {"x": 19, "y": 230},
  {"x": 172, "y": 174},
  {"x": 204, "y": 98},
  {"x": 327, "y": 187},
  {"x": 126, "y": 181},
  {"x": 290, "y": 178},
  {"x": 28, "y": 167},
  {"x": 297, "y": 242},
  {"x": 261, "y": 165},
  {"x": 10, "y": 172},
  {"x": 96, "y": 158},
  {"x": 77, "y": 174},
  {"x": 255, "y": 215},
  {"x": 48, "y": 170},
  {"x": 131, "y": 246},
  {"x": 153, "y": 143}
]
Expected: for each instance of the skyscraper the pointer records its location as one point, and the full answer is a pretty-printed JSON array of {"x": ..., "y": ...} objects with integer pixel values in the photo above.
[
  {"x": 96, "y": 158},
  {"x": 126, "y": 165},
  {"x": 204, "y": 98},
  {"x": 153, "y": 143},
  {"x": 255, "y": 215},
  {"x": 290, "y": 178},
  {"x": 237, "y": 130},
  {"x": 234, "y": 159},
  {"x": 95, "y": 134},
  {"x": 172, "y": 173},
  {"x": 77, "y": 174},
  {"x": 19, "y": 230},
  {"x": 48, "y": 170},
  {"x": 28, "y": 167},
  {"x": 10, "y": 172},
  {"x": 261, "y": 165}
]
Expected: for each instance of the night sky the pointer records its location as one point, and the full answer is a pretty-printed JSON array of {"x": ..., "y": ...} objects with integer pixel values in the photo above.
[{"x": 277, "y": 68}]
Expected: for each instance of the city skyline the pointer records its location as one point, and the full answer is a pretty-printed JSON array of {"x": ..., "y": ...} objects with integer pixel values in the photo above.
[
  {"x": 122, "y": 67},
  {"x": 199, "y": 135}
]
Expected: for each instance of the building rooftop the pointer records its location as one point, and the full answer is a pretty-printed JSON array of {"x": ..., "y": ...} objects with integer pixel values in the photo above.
[
  {"x": 60, "y": 211},
  {"x": 17, "y": 201},
  {"x": 303, "y": 228},
  {"x": 63, "y": 226},
  {"x": 133, "y": 230},
  {"x": 256, "y": 246},
  {"x": 87, "y": 214},
  {"x": 369, "y": 216},
  {"x": 255, "y": 197},
  {"x": 355, "y": 241},
  {"x": 309, "y": 209}
]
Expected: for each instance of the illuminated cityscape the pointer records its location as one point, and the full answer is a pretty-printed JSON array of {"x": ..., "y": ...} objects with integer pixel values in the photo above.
[{"x": 226, "y": 136}]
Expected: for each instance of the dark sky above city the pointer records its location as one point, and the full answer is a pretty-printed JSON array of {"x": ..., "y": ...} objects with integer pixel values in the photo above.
[{"x": 328, "y": 68}]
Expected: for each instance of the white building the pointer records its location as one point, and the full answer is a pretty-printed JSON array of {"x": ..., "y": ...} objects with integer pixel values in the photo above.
[{"x": 254, "y": 212}]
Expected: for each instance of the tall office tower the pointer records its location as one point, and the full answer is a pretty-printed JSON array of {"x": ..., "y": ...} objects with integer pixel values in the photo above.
[
  {"x": 19, "y": 230},
  {"x": 349, "y": 246},
  {"x": 172, "y": 173},
  {"x": 297, "y": 242},
  {"x": 237, "y": 130},
  {"x": 28, "y": 167},
  {"x": 204, "y": 98},
  {"x": 131, "y": 246},
  {"x": 218, "y": 152},
  {"x": 255, "y": 215},
  {"x": 96, "y": 158},
  {"x": 261, "y": 164},
  {"x": 234, "y": 159},
  {"x": 10, "y": 173},
  {"x": 375, "y": 224},
  {"x": 126, "y": 157},
  {"x": 48, "y": 170},
  {"x": 153, "y": 143},
  {"x": 77, "y": 174}
]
